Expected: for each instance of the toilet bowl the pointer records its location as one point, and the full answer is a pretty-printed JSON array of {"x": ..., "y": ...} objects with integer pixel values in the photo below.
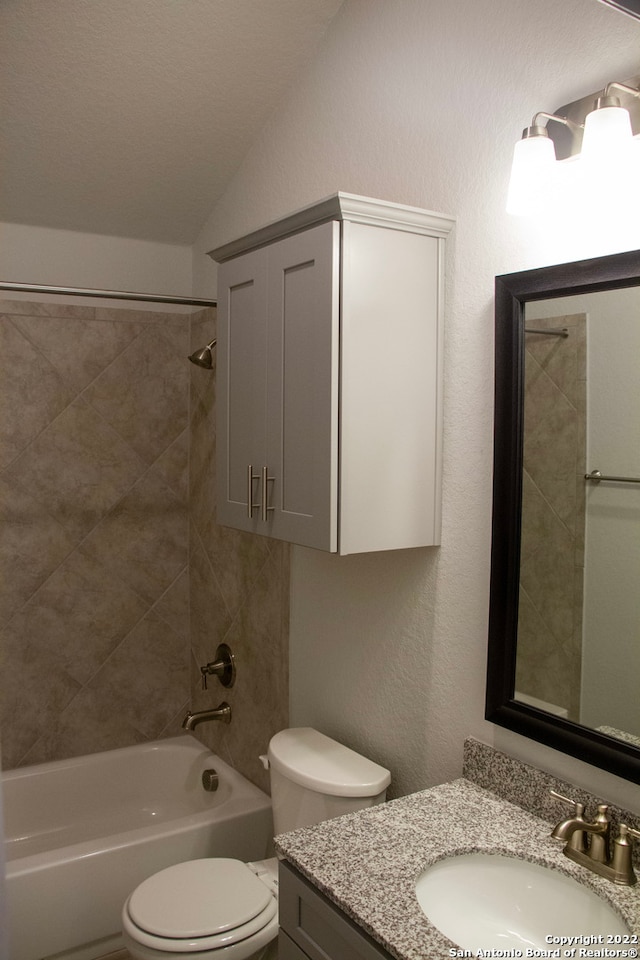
[
  {"x": 219, "y": 908},
  {"x": 213, "y": 908}
]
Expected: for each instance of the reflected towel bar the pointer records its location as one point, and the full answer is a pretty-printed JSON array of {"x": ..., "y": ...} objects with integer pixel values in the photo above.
[
  {"x": 551, "y": 332},
  {"x": 595, "y": 477}
]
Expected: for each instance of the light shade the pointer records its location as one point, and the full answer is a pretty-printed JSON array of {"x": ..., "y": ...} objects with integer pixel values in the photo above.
[
  {"x": 607, "y": 132},
  {"x": 531, "y": 172}
]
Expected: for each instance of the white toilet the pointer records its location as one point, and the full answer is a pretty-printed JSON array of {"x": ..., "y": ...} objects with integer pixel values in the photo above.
[{"x": 219, "y": 908}]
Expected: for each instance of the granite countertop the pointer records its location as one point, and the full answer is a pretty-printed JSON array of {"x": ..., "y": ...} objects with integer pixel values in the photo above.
[{"x": 367, "y": 863}]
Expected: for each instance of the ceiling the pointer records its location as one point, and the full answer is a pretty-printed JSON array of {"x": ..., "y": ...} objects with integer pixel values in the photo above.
[{"x": 129, "y": 117}]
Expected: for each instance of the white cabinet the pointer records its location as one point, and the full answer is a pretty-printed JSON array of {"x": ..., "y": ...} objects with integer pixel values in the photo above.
[{"x": 330, "y": 379}]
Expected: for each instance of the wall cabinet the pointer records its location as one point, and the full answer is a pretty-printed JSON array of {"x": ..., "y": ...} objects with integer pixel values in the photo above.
[
  {"x": 314, "y": 928},
  {"x": 329, "y": 396}
]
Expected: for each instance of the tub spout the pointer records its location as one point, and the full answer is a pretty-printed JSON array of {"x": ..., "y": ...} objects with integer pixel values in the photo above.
[{"x": 223, "y": 712}]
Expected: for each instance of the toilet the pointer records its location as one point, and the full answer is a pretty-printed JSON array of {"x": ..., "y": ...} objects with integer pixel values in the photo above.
[{"x": 218, "y": 908}]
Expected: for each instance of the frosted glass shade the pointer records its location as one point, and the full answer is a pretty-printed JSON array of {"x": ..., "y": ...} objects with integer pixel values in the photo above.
[
  {"x": 531, "y": 174},
  {"x": 607, "y": 134}
]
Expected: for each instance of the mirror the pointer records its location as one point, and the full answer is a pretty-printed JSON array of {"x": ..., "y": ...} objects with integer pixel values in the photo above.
[{"x": 564, "y": 624}]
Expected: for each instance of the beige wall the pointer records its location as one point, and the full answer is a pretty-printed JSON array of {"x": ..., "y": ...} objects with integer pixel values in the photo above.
[{"x": 93, "y": 476}]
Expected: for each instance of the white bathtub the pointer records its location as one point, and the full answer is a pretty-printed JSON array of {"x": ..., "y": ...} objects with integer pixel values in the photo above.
[{"x": 80, "y": 834}]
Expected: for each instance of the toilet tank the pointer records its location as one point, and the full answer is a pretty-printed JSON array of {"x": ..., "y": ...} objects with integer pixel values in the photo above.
[{"x": 315, "y": 778}]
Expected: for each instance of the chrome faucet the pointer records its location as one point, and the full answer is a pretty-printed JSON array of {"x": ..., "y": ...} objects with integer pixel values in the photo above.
[
  {"x": 595, "y": 855},
  {"x": 223, "y": 713}
]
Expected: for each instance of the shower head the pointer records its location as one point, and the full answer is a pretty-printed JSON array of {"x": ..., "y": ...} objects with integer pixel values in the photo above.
[{"x": 204, "y": 357}]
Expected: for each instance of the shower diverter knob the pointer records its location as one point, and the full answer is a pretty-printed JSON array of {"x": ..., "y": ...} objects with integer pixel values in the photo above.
[{"x": 223, "y": 667}]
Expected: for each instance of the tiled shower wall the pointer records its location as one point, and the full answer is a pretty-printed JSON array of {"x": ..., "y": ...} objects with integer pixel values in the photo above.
[
  {"x": 239, "y": 589},
  {"x": 93, "y": 533},
  {"x": 553, "y": 515},
  {"x": 98, "y": 410}
]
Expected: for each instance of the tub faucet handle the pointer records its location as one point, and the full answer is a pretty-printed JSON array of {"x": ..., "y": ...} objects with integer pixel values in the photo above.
[{"x": 223, "y": 667}]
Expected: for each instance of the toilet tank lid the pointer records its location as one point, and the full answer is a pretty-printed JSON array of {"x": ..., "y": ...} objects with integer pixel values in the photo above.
[{"x": 319, "y": 763}]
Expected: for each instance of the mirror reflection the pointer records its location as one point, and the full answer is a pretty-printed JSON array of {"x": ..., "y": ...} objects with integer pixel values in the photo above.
[{"x": 578, "y": 629}]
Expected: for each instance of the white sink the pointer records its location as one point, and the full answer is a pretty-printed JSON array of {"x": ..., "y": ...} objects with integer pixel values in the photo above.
[{"x": 481, "y": 900}]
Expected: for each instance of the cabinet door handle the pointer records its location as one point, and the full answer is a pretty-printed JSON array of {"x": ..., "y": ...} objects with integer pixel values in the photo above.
[
  {"x": 251, "y": 476},
  {"x": 266, "y": 480}
]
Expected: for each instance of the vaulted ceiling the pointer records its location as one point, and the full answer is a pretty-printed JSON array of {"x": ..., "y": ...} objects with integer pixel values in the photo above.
[{"x": 129, "y": 117}]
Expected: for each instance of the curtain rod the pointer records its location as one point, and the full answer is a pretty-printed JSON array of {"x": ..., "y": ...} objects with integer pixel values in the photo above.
[{"x": 106, "y": 294}]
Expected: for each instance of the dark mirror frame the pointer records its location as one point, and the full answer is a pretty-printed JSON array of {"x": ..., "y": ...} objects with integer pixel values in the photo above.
[{"x": 512, "y": 292}]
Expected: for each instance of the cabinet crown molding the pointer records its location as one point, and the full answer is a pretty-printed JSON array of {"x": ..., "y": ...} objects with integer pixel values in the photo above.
[{"x": 340, "y": 206}]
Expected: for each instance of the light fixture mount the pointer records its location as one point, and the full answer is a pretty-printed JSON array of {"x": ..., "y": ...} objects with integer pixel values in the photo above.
[{"x": 567, "y": 138}]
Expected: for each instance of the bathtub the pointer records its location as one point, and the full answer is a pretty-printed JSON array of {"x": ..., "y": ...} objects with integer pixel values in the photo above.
[{"x": 80, "y": 834}]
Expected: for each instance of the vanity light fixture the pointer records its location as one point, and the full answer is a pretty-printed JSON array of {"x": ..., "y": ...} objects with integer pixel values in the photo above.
[
  {"x": 598, "y": 136},
  {"x": 534, "y": 159}
]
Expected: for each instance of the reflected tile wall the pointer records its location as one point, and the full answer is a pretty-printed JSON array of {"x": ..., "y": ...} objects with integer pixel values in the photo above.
[
  {"x": 239, "y": 590},
  {"x": 94, "y": 528},
  {"x": 553, "y": 516}
]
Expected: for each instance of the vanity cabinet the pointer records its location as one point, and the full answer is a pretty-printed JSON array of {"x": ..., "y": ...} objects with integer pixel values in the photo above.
[
  {"x": 329, "y": 366},
  {"x": 313, "y": 928}
]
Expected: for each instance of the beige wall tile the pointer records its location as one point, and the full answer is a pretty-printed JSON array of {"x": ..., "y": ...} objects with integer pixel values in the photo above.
[
  {"x": 29, "y": 708},
  {"x": 75, "y": 604},
  {"x": 148, "y": 375},
  {"x": 143, "y": 538},
  {"x": 99, "y": 582},
  {"x": 209, "y": 615},
  {"x": 146, "y": 680},
  {"x": 77, "y": 618},
  {"x": 78, "y": 468},
  {"x": 173, "y": 605},
  {"x": 32, "y": 545},
  {"x": 173, "y": 464},
  {"x": 78, "y": 349},
  {"x": 33, "y": 392},
  {"x": 89, "y": 724}
]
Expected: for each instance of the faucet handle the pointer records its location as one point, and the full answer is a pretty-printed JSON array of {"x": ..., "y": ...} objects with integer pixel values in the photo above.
[
  {"x": 578, "y": 808},
  {"x": 576, "y": 839},
  {"x": 622, "y": 859},
  {"x": 223, "y": 667}
]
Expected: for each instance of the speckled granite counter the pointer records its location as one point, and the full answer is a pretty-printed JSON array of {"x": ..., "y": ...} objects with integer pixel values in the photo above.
[{"x": 367, "y": 863}]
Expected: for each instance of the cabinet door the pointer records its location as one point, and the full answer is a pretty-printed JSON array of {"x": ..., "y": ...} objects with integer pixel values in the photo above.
[
  {"x": 302, "y": 387},
  {"x": 241, "y": 388},
  {"x": 320, "y": 930}
]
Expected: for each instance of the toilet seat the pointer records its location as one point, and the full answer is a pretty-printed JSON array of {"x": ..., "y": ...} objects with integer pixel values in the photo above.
[{"x": 221, "y": 902}]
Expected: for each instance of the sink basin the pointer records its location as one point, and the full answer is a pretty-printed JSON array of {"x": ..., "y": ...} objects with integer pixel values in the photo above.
[{"x": 481, "y": 900}]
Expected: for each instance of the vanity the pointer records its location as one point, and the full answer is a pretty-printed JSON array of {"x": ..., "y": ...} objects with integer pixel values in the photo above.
[{"x": 348, "y": 886}]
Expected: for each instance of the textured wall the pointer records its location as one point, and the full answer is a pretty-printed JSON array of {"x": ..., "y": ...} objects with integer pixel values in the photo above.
[
  {"x": 93, "y": 542},
  {"x": 239, "y": 588},
  {"x": 43, "y": 255},
  {"x": 422, "y": 103}
]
